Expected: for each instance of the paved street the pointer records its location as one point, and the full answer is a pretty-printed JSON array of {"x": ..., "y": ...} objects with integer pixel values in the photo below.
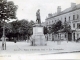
[
  {"x": 52, "y": 47},
  {"x": 23, "y": 51}
]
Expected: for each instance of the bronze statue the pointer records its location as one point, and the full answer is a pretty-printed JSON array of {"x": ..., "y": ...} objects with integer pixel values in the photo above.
[{"x": 38, "y": 20}]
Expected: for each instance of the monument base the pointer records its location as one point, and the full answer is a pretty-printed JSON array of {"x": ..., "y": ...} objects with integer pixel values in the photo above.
[{"x": 38, "y": 38}]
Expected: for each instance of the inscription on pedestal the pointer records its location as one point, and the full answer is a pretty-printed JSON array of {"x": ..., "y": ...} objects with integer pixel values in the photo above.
[{"x": 38, "y": 37}]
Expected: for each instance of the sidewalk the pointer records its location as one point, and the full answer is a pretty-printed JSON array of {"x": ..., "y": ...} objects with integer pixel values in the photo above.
[{"x": 52, "y": 47}]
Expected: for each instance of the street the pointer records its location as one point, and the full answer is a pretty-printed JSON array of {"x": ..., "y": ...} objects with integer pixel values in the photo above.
[{"x": 52, "y": 47}]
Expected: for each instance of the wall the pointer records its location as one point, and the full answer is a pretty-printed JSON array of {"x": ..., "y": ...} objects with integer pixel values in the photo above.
[{"x": 69, "y": 19}]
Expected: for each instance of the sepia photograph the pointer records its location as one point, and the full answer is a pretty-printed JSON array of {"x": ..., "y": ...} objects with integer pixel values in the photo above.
[{"x": 39, "y": 27}]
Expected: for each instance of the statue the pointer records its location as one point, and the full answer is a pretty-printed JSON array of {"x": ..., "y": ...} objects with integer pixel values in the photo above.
[
  {"x": 38, "y": 20},
  {"x": 38, "y": 38}
]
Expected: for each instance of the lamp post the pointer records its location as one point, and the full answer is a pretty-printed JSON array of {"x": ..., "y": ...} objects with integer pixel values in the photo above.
[
  {"x": 3, "y": 37},
  {"x": 3, "y": 20}
]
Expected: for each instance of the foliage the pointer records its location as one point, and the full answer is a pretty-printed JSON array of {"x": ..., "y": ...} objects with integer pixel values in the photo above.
[
  {"x": 20, "y": 29},
  {"x": 67, "y": 28},
  {"x": 30, "y": 28},
  {"x": 0, "y": 29},
  {"x": 57, "y": 26},
  {"x": 45, "y": 30},
  {"x": 7, "y": 10}
]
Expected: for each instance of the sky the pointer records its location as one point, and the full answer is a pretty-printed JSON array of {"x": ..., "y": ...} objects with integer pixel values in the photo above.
[{"x": 27, "y": 8}]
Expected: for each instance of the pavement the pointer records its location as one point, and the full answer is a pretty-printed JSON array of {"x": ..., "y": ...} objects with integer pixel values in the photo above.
[
  {"x": 52, "y": 47},
  {"x": 53, "y": 50}
]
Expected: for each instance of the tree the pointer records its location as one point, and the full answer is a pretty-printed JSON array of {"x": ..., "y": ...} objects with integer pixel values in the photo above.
[
  {"x": 57, "y": 26},
  {"x": 9, "y": 32},
  {"x": 45, "y": 30},
  {"x": 24, "y": 28},
  {"x": 15, "y": 28},
  {"x": 67, "y": 28},
  {"x": 7, "y": 12},
  {"x": 30, "y": 28},
  {"x": 0, "y": 29},
  {"x": 20, "y": 29}
]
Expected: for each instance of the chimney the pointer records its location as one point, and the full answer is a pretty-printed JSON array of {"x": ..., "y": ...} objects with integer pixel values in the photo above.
[
  {"x": 73, "y": 5},
  {"x": 50, "y": 15},
  {"x": 58, "y": 9}
]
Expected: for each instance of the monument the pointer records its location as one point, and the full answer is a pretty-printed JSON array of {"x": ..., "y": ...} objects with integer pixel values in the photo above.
[
  {"x": 38, "y": 20},
  {"x": 38, "y": 38}
]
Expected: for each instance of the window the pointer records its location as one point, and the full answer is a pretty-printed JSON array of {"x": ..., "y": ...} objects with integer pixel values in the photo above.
[
  {"x": 69, "y": 18},
  {"x": 78, "y": 25},
  {"x": 77, "y": 35},
  {"x": 55, "y": 21},
  {"x": 73, "y": 25},
  {"x": 52, "y": 21},
  {"x": 73, "y": 17},
  {"x": 55, "y": 35},
  {"x": 77, "y": 16},
  {"x": 58, "y": 35},
  {"x": 65, "y": 35},
  {"x": 49, "y": 22},
  {"x": 65, "y": 19}
]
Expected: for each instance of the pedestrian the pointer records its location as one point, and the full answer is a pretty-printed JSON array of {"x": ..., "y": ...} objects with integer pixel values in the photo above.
[{"x": 14, "y": 40}]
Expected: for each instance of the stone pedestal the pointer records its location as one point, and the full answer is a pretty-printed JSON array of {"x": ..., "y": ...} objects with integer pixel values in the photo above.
[{"x": 38, "y": 38}]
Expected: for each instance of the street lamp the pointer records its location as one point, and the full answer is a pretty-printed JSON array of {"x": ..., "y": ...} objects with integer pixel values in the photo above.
[
  {"x": 3, "y": 20},
  {"x": 3, "y": 37}
]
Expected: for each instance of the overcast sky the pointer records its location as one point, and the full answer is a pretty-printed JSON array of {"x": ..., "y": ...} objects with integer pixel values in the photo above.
[{"x": 27, "y": 8}]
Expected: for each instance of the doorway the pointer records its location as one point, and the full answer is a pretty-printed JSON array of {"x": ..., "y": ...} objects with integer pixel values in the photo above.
[
  {"x": 74, "y": 36},
  {"x": 69, "y": 36}
]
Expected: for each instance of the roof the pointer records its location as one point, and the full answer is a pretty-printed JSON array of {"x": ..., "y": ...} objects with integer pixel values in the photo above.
[{"x": 65, "y": 11}]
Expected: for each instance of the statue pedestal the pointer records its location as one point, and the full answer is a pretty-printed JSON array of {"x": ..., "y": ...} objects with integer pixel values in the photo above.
[{"x": 38, "y": 37}]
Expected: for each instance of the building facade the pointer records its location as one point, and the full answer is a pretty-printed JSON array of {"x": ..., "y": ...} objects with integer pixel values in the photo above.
[{"x": 71, "y": 16}]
